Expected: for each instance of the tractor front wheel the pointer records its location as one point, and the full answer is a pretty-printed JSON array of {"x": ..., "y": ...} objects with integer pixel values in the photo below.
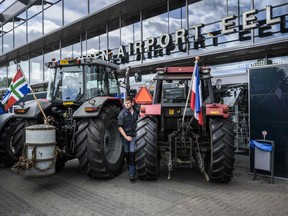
[
  {"x": 98, "y": 145},
  {"x": 146, "y": 155},
  {"x": 220, "y": 159}
]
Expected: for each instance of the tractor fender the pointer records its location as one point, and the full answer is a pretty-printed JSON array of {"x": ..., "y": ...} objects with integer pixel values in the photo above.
[
  {"x": 32, "y": 107},
  {"x": 92, "y": 107},
  {"x": 5, "y": 118},
  {"x": 217, "y": 110},
  {"x": 150, "y": 110}
]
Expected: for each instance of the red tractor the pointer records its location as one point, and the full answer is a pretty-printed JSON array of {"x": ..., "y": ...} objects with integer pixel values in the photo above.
[{"x": 168, "y": 128}]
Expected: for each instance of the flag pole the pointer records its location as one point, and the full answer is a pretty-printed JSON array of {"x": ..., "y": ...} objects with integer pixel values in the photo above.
[
  {"x": 189, "y": 92},
  {"x": 36, "y": 99}
]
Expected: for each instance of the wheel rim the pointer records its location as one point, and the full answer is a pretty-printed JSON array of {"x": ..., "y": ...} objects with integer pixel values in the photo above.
[
  {"x": 12, "y": 148},
  {"x": 112, "y": 145}
]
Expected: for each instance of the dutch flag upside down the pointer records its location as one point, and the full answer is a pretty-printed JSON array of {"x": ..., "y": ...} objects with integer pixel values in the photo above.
[{"x": 196, "y": 97}]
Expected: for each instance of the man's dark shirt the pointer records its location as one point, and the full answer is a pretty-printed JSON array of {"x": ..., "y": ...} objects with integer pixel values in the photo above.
[{"x": 128, "y": 121}]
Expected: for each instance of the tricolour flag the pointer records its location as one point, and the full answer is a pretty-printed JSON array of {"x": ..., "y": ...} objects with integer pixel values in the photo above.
[
  {"x": 196, "y": 97},
  {"x": 17, "y": 89}
]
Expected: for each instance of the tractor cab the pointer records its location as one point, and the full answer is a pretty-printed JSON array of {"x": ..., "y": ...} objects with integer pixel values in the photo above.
[{"x": 80, "y": 79}]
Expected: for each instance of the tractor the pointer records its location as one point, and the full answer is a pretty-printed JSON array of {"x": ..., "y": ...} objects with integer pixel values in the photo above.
[
  {"x": 169, "y": 130},
  {"x": 83, "y": 103}
]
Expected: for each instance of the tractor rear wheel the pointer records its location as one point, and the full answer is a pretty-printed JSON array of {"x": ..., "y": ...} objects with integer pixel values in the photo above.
[
  {"x": 220, "y": 159},
  {"x": 98, "y": 145},
  {"x": 12, "y": 140},
  {"x": 146, "y": 155}
]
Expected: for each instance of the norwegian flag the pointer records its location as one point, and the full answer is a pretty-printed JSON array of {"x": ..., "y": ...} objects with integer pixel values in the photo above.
[
  {"x": 196, "y": 97},
  {"x": 17, "y": 89}
]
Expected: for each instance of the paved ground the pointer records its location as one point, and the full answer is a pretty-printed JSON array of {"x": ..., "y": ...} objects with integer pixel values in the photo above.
[{"x": 70, "y": 192}]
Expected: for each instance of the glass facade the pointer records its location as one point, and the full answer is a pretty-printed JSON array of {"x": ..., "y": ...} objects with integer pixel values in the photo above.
[{"x": 162, "y": 31}]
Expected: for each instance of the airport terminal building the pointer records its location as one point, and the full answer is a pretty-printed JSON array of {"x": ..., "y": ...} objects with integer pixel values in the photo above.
[{"x": 232, "y": 37}]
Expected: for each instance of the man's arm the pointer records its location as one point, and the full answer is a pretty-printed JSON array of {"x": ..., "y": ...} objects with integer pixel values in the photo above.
[
  {"x": 128, "y": 138},
  {"x": 120, "y": 127}
]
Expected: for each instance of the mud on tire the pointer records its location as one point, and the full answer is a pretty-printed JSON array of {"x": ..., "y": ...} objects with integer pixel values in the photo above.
[
  {"x": 146, "y": 155},
  {"x": 220, "y": 160},
  {"x": 12, "y": 139},
  {"x": 98, "y": 145}
]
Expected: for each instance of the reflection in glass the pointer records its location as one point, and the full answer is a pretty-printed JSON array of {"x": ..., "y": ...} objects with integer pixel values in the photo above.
[
  {"x": 36, "y": 69},
  {"x": 130, "y": 32},
  {"x": 93, "y": 45},
  {"x": 100, "y": 4},
  {"x": 35, "y": 27},
  {"x": 20, "y": 34},
  {"x": 12, "y": 69},
  {"x": 177, "y": 15},
  {"x": 24, "y": 64},
  {"x": 113, "y": 34},
  {"x": 52, "y": 22},
  {"x": 153, "y": 23},
  {"x": 3, "y": 78},
  {"x": 7, "y": 41},
  {"x": 74, "y": 9},
  {"x": 66, "y": 52}
]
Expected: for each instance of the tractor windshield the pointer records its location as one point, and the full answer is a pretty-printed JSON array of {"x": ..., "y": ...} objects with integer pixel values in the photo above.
[
  {"x": 68, "y": 84},
  {"x": 100, "y": 81},
  {"x": 175, "y": 91},
  {"x": 79, "y": 83}
]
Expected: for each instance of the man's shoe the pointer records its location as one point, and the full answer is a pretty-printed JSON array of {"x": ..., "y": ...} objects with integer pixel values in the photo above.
[{"x": 132, "y": 178}]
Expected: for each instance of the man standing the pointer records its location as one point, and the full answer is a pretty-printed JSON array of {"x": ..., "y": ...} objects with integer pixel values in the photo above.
[{"x": 127, "y": 127}]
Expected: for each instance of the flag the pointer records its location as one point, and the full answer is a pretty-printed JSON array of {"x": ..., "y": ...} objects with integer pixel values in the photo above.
[
  {"x": 196, "y": 97},
  {"x": 17, "y": 89}
]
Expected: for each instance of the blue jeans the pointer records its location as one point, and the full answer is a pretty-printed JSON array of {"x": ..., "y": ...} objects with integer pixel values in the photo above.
[
  {"x": 129, "y": 149},
  {"x": 129, "y": 146}
]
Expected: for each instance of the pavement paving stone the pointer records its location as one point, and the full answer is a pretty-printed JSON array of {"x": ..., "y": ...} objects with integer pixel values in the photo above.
[{"x": 71, "y": 192}]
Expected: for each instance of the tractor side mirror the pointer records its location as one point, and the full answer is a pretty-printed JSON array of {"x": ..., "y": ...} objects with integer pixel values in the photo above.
[
  {"x": 218, "y": 83},
  {"x": 138, "y": 77}
]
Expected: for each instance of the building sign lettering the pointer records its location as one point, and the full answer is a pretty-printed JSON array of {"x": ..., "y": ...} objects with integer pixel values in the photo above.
[{"x": 165, "y": 43}]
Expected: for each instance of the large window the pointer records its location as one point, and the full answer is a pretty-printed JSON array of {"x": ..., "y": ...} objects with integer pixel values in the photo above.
[
  {"x": 114, "y": 34},
  {"x": 36, "y": 69},
  {"x": 74, "y": 9},
  {"x": 12, "y": 69},
  {"x": 155, "y": 23},
  {"x": 3, "y": 79},
  {"x": 35, "y": 29},
  {"x": 100, "y": 4},
  {"x": 52, "y": 22},
  {"x": 177, "y": 15},
  {"x": 24, "y": 64},
  {"x": 8, "y": 36},
  {"x": 20, "y": 29},
  {"x": 130, "y": 32}
]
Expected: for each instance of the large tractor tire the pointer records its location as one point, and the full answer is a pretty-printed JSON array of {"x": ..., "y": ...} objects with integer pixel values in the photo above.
[
  {"x": 98, "y": 145},
  {"x": 12, "y": 139},
  {"x": 220, "y": 159},
  {"x": 146, "y": 155}
]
